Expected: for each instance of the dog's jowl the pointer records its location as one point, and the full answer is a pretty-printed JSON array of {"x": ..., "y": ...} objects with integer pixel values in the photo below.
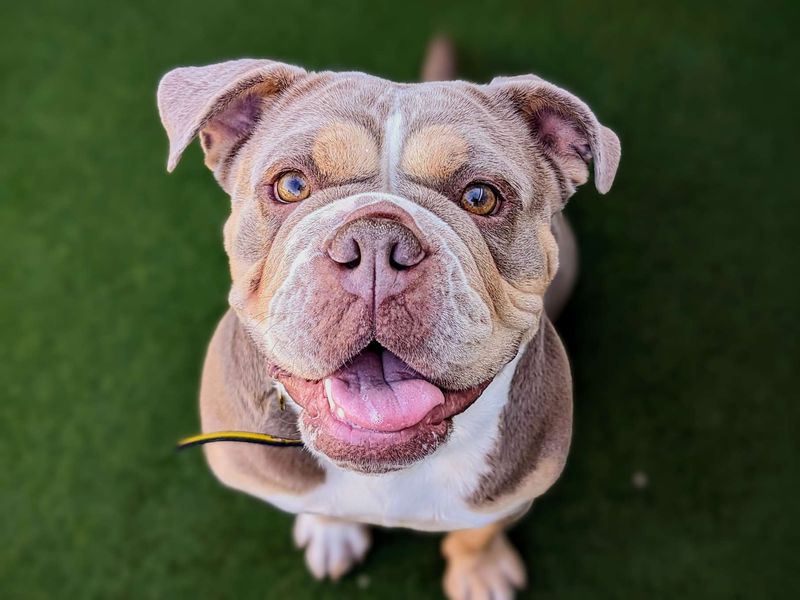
[{"x": 394, "y": 253}]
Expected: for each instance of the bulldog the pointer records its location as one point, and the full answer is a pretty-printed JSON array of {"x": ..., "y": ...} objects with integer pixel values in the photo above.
[{"x": 394, "y": 251}]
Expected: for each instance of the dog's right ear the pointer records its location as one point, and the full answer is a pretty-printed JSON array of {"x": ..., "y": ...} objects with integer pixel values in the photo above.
[{"x": 222, "y": 103}]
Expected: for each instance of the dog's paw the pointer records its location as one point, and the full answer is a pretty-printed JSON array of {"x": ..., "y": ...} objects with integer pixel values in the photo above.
[
  {"x": 332, "y": 546},
  {"x": 494, "y": 573}
]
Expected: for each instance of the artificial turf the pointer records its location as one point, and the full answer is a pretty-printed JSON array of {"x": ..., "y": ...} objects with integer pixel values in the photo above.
[{"x": 683, "y": 331}]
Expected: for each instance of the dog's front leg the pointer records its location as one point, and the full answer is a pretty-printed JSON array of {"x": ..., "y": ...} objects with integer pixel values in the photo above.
[
  {"x": 481, "y": 563},
  {"x": 333, "y": 546}
]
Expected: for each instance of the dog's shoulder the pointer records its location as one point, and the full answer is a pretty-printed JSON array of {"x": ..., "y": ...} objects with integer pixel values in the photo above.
[
  {"x": 237, "y": 395},
  {"x": 534, "y": 428}
]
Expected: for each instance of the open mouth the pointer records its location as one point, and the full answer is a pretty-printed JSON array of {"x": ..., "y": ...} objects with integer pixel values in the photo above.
[{"x": 376, "y": 413}]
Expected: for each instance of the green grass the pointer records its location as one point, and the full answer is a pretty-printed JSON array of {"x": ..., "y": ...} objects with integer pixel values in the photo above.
[{"x": 683, "y": 332}]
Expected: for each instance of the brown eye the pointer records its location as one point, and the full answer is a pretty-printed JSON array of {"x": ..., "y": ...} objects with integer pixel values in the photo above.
[
  {"x": 479, "y": 199},
  {"x": 292, "y": 186}
]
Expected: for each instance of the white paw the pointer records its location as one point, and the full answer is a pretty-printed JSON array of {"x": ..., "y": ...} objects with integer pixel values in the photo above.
[
  {"x": 493, "y": 574},
  {"x": 332, "y": 546}
]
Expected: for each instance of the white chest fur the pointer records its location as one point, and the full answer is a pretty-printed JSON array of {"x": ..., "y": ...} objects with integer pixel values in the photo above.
[{"x": 431, "y": 495}]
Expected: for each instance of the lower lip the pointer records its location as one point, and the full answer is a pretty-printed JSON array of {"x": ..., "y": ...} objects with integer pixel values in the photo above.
[
  {"x": 358, "y": 436},
  {"x": 365, "y": 449}
]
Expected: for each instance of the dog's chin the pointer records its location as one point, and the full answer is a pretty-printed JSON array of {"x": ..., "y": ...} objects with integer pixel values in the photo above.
[{"x": 375, "y": 414}]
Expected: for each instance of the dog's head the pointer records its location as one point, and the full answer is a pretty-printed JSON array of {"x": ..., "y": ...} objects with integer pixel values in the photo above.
[{"x": 390, "y": 244}]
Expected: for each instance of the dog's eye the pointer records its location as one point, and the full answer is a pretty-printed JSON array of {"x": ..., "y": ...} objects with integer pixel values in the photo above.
[
  {"x": 479, "y": 199},
  {"x": 292, "y": 186}
]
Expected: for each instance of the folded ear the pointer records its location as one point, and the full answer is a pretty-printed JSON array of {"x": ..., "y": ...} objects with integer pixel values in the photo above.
[
  {"x": 566, "y": 129},
  {"x": 221, "y": 102}
]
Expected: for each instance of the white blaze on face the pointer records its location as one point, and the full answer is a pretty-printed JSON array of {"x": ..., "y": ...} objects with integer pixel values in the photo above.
[{"x": 393, "y": 144}]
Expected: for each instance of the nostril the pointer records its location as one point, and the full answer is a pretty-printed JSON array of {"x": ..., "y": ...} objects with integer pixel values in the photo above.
[
  {"x": 352, "y": 264},
  {"x": 393, "y": 262},
  {"x": 404, "y": 255},
  {"x": 346, "y": 253}
]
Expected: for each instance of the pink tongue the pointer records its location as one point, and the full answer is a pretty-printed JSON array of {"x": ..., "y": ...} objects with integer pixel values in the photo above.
[{"x": 378, "y": 391}]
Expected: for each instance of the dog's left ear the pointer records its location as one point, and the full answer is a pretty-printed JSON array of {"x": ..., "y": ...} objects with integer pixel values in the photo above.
[
  {"x": 565, "y": 128},
  {"x": 222, "y": 103}
]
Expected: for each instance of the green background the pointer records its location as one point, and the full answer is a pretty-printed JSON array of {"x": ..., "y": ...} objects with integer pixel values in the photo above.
[{"x": 683, "y": 331}]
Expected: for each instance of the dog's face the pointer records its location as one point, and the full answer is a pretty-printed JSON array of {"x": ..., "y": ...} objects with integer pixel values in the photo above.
[{"x": 389, "y": 244}]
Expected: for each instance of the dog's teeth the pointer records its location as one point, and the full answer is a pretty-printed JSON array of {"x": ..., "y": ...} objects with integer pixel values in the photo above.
[
  {"x": 337, "y": 410},
  {"x": 327, "y": 385}
]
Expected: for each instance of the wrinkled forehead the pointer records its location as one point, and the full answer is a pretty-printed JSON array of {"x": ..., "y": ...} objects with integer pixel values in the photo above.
[{"x": 354, "y": 126}]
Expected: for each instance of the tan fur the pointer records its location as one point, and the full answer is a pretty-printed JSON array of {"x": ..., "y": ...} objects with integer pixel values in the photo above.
[
  {"x": 467, "y": 541},
  {"x": 435, "y": 152},
  {"x": 481, "y": 563},
  {"x": 345, "y": 151},
  {"x": 535, "y": 483}
]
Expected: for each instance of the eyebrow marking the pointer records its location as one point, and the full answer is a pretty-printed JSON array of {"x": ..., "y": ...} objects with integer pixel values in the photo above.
[
  {"x": 345, "y": 151},
  {"x": 435, "y": 152}
]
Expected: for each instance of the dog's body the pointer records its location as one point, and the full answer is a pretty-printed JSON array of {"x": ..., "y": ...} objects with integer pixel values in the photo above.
[{"x": 405, "y": 334}]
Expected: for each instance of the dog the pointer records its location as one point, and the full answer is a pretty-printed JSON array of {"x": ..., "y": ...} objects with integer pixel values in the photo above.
[{"x": 394, "y": 251}]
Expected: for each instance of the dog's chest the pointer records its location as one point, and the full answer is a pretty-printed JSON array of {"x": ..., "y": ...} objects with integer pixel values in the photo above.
[{"x": 433, "y": 495}]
